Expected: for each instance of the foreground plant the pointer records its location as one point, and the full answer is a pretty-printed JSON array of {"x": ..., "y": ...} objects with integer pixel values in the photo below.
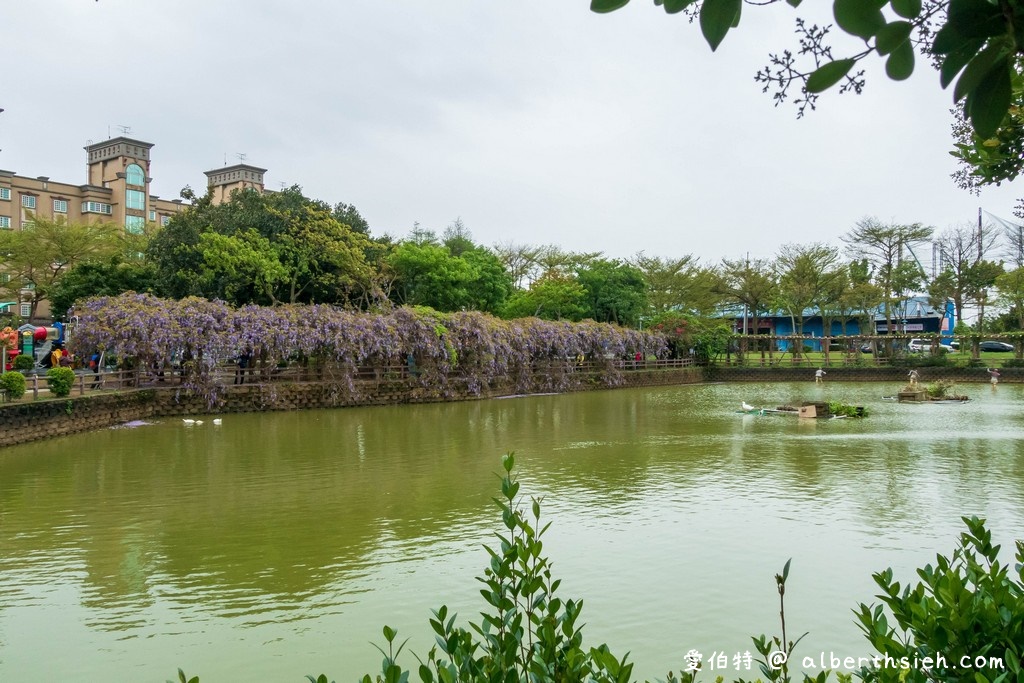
[
  {"x": 528, "y": 632},
  {"x": 964, "y": 621}
]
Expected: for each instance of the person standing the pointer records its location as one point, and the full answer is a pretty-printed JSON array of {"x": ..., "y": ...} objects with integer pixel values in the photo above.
[
  {"x": 244, "y": 359},
  {"x": 819, "y": 376},
  {"x": 95, "y": 364},
  {"x": 993, "y": 374}
]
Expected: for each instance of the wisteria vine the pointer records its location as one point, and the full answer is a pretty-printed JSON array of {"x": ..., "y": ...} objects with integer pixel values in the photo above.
[{"x": 471, "y": 350}]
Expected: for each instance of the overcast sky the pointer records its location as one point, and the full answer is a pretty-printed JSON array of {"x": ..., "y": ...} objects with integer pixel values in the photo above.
[{"x": 535, "y": 121}]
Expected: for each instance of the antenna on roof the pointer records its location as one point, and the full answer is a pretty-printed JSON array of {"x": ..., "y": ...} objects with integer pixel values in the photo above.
[
  {"x": 281, "y": 183},
  {"x": 125, "y": 130},
  {"x": 241, "y": 157}
]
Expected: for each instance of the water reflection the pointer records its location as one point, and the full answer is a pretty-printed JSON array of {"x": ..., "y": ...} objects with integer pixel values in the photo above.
[{"x": 281, "y": 542}]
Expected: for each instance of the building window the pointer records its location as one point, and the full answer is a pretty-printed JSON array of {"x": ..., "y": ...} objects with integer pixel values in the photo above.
[
  {"x": 165, "y": 220},
  {"x": 5, "y": 193},
  {"x": 28, "y": 225},
  {"x": 26, "y": 310},
  {"x": 28, "y": 201},
  {"x": 5, "y": 222},
  {"x": 152, "y": 215},
  {"x": 96, "y": 207},
  {"x": 60, "y": 206},
  {"x": 134, "y": 175},
  {"x": 134, "y": 199},
  {"x": 134, "y": 224}
]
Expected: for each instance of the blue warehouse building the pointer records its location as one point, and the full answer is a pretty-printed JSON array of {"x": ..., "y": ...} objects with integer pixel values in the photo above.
[{"x": 912, "y": 316}]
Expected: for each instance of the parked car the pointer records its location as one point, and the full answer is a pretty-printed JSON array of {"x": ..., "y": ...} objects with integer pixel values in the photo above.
[
  {"x": 998, "y": 346},
  {"x": 921, "y": 345}
]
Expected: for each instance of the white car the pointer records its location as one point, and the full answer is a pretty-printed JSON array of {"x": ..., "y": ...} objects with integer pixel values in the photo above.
[{"x": 921, "y": 345}]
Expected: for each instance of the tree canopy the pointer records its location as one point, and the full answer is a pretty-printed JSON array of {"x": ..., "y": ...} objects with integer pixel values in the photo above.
[
  {"x": 270, "y": 248},
  {"x": 36, "y": 258}
]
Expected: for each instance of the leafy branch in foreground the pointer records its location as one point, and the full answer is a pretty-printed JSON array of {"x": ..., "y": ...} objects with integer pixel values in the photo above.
[
  {"x": 966, "y": 615},
  {"x": 528, "y": 633},
  {"x": 976, "y": 43}
]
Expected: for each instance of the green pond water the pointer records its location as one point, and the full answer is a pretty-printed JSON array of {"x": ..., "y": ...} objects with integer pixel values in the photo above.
[{"x": 277, "y": 545}]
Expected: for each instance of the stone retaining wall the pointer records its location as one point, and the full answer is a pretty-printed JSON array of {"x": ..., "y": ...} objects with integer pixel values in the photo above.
[{"x": 24, "y": 422}]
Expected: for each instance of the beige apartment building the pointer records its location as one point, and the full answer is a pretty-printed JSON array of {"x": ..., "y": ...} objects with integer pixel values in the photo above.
[{"x": 117, "y": 190}]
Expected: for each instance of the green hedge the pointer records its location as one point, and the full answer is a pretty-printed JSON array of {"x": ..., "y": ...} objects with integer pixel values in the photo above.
[
  {"x": 13, "y": 384},
  {"x": 60, "y": 380}
]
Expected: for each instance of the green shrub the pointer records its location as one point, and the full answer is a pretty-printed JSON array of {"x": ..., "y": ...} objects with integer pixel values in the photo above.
[
  {"x": 966, "y": 606},
  {"x": 846, "y": 410},
  {"x": 939, "y": 389},
  {"x": 1014, "y": 363},
  {"x": 527, "y": 633},
  {"x": 24, "y": 362},
  {"x": 13, "y": 384},
  {"x": 60, "y": 380}
]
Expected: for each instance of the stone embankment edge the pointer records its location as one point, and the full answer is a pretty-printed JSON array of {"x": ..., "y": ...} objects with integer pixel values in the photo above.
[
  {"x": 27, "y": 422},
  {"x": 858, "y": 374}
]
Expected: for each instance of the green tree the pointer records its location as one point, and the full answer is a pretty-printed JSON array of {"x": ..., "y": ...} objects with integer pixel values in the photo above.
[
  {"x": 962, "y": 250},
  {"x": 378, "y": 257},
  {"x": 457, "y": 238},
  {"x": 490, "y": 282},
  {"x": 554, "y": 296},
  {"x": 862, "y": 297},
  {"x": 554, "y": 259},
  {"x": 102, "y": 278},
  {"x": 174, "y": 251},
  {"x": 615, "y": 292},
  {"x": 326, "y": 259},
  {"x": 428, "y": 275},
  {"x": 232, "y": 265},
  {"x": 1011, "y": 294},
  {"x": 520, "y": 260},
  {"x": 346, "y": 214},
  {"x": 677, "y": 284},
  {"x": 888, "y": 250},
  {"x": 279, "y": 247},
  {"x": 982, "y": 277},
  {"x": 750, "y": 284},
  {"x": 37, "y": 257},
  {"x": 805, "y": 273}
]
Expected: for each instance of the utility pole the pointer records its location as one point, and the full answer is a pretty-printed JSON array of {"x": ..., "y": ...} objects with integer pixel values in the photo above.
[{"x": 980, "y": 245}]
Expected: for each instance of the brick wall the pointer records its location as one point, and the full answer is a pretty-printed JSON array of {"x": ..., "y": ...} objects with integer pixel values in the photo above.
[{"x": 24, "y": 422}]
